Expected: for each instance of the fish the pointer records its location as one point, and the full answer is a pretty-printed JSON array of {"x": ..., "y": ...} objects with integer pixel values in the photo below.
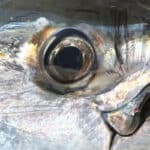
[{"x": 79, "y": 86}]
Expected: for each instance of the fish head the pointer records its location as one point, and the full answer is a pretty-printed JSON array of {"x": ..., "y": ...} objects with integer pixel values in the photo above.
[{"x": 73, "y": 86}]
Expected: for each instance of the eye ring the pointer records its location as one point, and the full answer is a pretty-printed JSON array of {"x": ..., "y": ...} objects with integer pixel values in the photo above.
[{"x": 64, "y": 41}]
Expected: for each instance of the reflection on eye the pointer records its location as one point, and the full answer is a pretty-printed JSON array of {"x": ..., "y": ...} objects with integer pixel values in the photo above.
[
  {"x": 77, "y": 59},
  {"x": 67, "y": 58}
]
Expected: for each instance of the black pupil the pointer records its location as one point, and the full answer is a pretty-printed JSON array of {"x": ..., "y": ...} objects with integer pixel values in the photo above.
[{"x": 69, "y": 58}]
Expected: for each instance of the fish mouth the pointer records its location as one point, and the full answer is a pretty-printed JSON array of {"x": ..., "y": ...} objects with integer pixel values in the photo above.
[{"x": 129, "y": 118}]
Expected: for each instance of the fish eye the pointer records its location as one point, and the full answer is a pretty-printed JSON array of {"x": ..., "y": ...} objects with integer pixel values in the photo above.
[{"x": 67, "y": 58}]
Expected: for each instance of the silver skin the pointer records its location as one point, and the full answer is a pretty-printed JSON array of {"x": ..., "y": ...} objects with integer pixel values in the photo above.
[{"x": 34, "y": 117}]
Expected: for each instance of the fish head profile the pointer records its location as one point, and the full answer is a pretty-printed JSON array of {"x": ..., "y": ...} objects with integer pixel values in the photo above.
[{"x": 79, "y": 86}]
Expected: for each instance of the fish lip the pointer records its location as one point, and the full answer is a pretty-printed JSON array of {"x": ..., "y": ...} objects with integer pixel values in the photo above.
[
  {"x": 139, "y": 100},
  {"x": 125, "y": 91},
  {"x": 137, "y": 104}
]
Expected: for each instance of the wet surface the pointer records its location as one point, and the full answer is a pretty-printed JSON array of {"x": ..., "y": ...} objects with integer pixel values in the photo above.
[{"x": 33, "y": 116}]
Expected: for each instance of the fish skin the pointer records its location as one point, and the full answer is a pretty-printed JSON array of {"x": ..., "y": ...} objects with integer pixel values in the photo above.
[
  {"x": 139, "y": 141},
  {"x": 30, "y": 115},
  {"x": 66, "y": 123},
  {"x": 73, "y": 122}
]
